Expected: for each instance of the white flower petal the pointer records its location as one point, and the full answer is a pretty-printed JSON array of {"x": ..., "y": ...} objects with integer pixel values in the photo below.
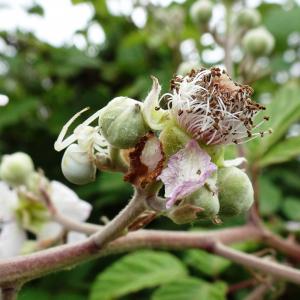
[
  {"x": 49, "y": 231},
  {"x": 8, "y": 201},
  {"x": 186, "y": 172},
  {"x": 75, "y": 237},
  {"x": 153, "y": 117},
  {"x": 68, "y": 203},
  {"x": 12, "y": 238}
]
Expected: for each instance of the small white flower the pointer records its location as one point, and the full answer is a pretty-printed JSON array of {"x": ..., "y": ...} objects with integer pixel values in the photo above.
[
  {"x": 12, "y": 236},
  {"x": 82, "y": 146},
  {"x": 66, "y": 203}
]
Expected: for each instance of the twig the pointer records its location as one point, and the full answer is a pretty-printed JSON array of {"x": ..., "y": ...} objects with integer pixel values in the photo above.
[
  {"x": 113, "y": 229},
  {"x": 259, "y": 292},
  {"x": 10, "y": 292},
  {"x": 38, "y": 264},
  {"x": 265, "y": 266},
  {"x": 242, "y": 285},
  {"x": 47, "y": 261},
  {"x": 228, "y": 42}
]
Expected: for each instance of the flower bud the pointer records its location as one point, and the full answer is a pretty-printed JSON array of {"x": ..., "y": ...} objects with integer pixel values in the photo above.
[
  {"x": 202, "y": 204},
  {"x": 35, "y": 181},
  {"x": 121, "y": 122},
  {"x": 77, "y": 166},
  {"x": 248, "y": 18},
  {"x": 173, "y": 139},
  {"x": 258, "y": 42},
  {"x": 201, "y": 11},
  {"x": 235, "y": 191},
  {"x": 15, "y": 168}
]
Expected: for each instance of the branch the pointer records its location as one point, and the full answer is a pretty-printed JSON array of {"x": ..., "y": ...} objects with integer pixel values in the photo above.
[
  {"x": 115, "y": 228},
  {"x": 10, "y": 292},
  {"x": 27, "y": 267},
  {"x": 260, "y": 264}
]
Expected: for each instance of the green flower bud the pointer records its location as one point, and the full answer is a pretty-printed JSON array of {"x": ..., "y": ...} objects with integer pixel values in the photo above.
[
  {"x": 173, "y": 139},
  {"x": 77, "y": 166},
  {"x": 248, "y": 18},
  {"x": 121, "y": 122},
  {"x": 202, "y": 204},
  {"x": 201, "y": 11},
  {"x": 35, "y": 181},
  {"x": 15, "y": 168},
  {"x": 235, "y": 191},
  {"x": 258, "y": 42}
]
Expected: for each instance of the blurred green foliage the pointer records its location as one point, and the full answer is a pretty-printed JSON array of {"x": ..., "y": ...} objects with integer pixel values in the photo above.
[{"x": 47, "y": 85}]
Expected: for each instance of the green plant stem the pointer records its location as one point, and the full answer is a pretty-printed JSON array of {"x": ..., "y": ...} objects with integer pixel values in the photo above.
[{"x": 228, "y": 41}]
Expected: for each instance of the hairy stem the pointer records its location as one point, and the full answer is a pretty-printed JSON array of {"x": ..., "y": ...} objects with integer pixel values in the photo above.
[
  {"x": 116, "y": 227},
  {"x": 10, "y": 292},
  {"x": 27, "y": 267},
  {"x": 263, "y": 265}
]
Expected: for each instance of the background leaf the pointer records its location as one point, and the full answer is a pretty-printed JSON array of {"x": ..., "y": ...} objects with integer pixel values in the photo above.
[
  {"x": 282, "y": 116},
  {"x": 136, "y": 271},
  {"x": 291, "y": 208},
  {"x": 191, "y": 289},
  {"x": 282, "y": 152}
]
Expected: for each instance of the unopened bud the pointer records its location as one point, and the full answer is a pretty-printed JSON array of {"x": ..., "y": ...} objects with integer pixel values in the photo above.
[
  {"x": 258, "y": 42},
  {"x": 77, "y": 166},
  {"x": 202, "y": 204},
  {"x": 248, "y": 18},
  {"x": 201, "y": 11},
  {"x": 121, "y": 122},
  {"x": 15, "y": 168},
  {"x": 173, "y": 139},
  {"x": 235, "y": 191}
]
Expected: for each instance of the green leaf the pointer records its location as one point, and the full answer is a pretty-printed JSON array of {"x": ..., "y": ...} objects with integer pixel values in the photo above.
[
  {"x": 282, "y": 152},
  {"x": 191, "y": 289},
  {"x": 206, "y": 263},
  {"x": 270, "y": 197},
  {"x": 291, "y": 208},
  {"x": 136, "y": 271},
  {"x": 284, "y": 110}
]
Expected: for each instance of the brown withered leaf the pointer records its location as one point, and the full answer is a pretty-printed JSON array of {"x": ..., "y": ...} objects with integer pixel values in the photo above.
[{"x": 145, "y": 161}]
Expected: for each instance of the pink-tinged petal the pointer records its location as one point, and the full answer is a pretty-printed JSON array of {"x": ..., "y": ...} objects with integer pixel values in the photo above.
[{"x": 186, "y": 172}]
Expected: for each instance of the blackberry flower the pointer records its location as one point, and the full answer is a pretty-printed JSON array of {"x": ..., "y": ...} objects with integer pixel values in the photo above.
[{"x": 212, "y": 108}]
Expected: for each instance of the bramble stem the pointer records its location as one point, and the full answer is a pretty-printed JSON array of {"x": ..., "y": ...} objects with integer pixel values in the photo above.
[
  {"x": 24, "y": 268},
  {"x": 9, "y": 292},
  {"x": 263, "y": 265},
  {"x": 113, "y": 229}
]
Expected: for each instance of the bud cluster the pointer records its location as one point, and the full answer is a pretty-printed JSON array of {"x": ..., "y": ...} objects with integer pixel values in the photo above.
[
  {"x": 179, "y": 146},
  {"x": 25, "y": 208}
]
